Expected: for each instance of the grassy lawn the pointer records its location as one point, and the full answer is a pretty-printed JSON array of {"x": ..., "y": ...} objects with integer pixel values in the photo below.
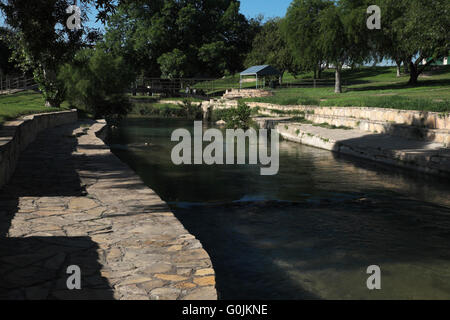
[
  {"x": 377, "y": 87},
  {"x": 19, "y": 104}
]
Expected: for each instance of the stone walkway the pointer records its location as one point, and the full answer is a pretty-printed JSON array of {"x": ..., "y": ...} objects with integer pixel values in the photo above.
[{"x": 72, "y": 202}]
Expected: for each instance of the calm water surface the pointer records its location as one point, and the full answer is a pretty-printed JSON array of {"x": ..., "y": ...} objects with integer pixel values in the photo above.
[{"x": 309, "y": 232}]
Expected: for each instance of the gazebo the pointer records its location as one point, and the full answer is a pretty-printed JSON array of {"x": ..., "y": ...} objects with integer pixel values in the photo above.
[{"x": 260, "y": 72}]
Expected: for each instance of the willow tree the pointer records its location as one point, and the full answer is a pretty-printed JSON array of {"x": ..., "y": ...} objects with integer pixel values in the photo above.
[
  {"x": 343, "y": 35},
  {"x": 301, "y": 32}
]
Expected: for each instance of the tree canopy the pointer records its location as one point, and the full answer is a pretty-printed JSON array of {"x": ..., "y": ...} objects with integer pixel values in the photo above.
[
  {"x": 300, "y": 29},
  {"x": 188, "y": 37},
  {"x": 41, "y": 41},
  {"x": 270, "y": 47},
  {"x": 414, "y": 30},
  {"x": 6, "y": 66}
]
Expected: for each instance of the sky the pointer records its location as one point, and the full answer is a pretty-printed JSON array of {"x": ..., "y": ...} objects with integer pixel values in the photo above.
[
  {"x": 269, "y": 8},
  {"x": 251, "y": 8}
]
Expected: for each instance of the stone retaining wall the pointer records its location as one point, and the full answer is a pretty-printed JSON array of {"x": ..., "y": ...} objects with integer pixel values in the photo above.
[
  {"x": 16, "y": 135},
  {"x": 424, "y": 119},
  {"x": 430, "y": 120},
  {"x": 246, "y": 93},
  {"x": 417, "y": 125},
  {"x": 179, "y": 102}
]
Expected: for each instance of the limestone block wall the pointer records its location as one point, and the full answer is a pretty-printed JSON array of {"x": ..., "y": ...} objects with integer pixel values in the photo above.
[
  {"x": 418, "y": 125},
  {"x": 246, "y": 93},
  {"x": 430, "y": 120},
  {"x": 16, "y": 135}
]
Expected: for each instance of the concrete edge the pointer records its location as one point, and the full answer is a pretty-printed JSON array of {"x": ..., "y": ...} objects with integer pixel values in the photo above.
[
  {"x": 100, "y": 130},
  {"x": 420, "y": 163}
]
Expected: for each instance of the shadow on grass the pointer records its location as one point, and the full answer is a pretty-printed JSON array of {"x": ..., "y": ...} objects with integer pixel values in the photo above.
[{"x": 423, "y": 83}]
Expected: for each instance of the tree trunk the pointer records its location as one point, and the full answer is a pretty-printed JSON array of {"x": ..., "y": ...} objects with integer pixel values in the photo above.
[
  {"x": 280, "y": 80},
  {"x": 338, "y": 84},
  {"x": 49, "y": 76},
  {"x": 319, "y": 74},
  {"x": 399, "y": 64},
  {"x": 413, "y": 74},
  {"x": 406, "y": 66}
]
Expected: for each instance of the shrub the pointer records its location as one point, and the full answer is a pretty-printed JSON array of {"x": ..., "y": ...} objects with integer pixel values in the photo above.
[
  {"x": 193, "y": 111},
  {"x": 239, "y": 118},
  {"x": 96, "y": 81}
]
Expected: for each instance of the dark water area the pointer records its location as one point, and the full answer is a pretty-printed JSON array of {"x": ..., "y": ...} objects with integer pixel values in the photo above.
[{"x": 309, "y": 232}]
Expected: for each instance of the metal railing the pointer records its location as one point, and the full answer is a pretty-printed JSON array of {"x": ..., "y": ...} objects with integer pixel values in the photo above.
[{"x": 205, "y": 86}]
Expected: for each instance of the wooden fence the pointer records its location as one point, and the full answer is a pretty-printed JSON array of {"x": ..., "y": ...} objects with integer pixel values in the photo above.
[{"x": 15, "y": 84}]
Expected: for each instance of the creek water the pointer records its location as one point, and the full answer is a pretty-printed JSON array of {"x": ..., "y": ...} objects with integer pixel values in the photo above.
[{"x": 309, "y": 232}]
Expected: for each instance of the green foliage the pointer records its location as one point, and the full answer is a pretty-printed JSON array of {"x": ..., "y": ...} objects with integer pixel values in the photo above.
[
  {"x": 6, "y": 66},
  {"x": 52, "y": 88},
  {"x": 96, "y": 82},
  {"x": 343, "y": 35},
  {"x": 173, "y": 64},
  {"x": 186, "y": 110},
  {"x": 193, "y": 111},
  {"x": 214, "y": 56},
  {"x": 300, "y": 29},
  {"x": 413, "y": 30},
  {"x": 213, "y": 36},
  {"x": 160, "y": 110},
  {"x": 40, "y": 44},
  {"x": 239, "y": 118},
  {"x": 270, "y": 47}
]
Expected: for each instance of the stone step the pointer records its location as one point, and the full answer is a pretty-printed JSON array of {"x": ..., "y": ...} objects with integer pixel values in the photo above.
[{"x": 406, "y": 131}]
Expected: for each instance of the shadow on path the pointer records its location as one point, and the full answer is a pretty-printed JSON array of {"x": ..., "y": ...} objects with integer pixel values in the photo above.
[{"x": 34, "y": 265}]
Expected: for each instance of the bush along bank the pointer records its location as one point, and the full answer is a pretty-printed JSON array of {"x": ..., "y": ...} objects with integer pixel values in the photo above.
[{"x": 186, "y": 109}]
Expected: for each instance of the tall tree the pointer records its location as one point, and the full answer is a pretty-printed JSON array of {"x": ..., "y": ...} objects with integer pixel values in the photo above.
[
  {"x": 270, "y": 47},
  {"x": 213, "y": 35},
  {"x": 6, "y": 66},
  {"x": 413, "y": 30},
  {"x": 41, "y": 41},
  {"x": 425, "y": 34},
  {"x": 300, "y": 28},
  {"x": 343, "y": 35},
  {"x": 386, "y": 41}
]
